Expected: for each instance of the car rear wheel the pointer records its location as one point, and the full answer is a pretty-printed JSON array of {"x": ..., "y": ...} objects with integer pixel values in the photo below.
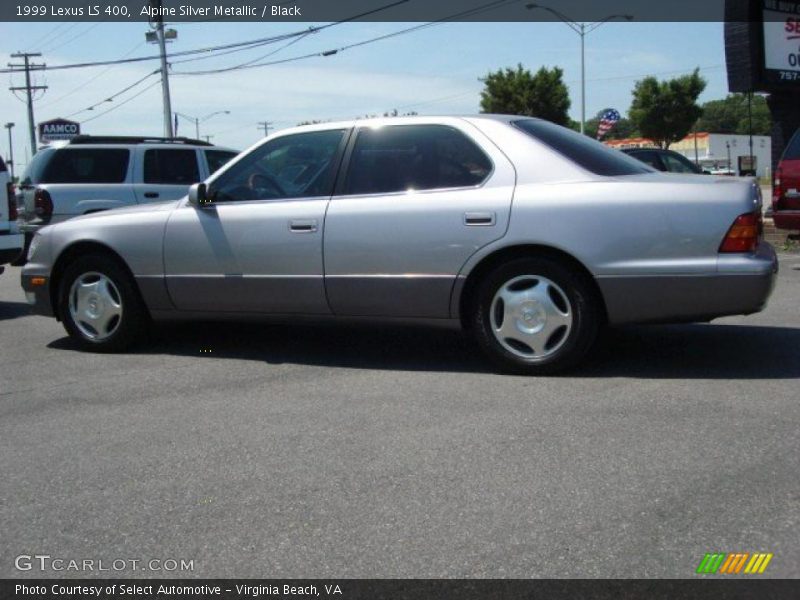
[
  {"x": 100, "y": 306},
  {"x": 535, "y": 316}
]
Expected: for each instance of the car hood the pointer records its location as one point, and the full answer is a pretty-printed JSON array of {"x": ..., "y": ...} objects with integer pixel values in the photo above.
[{"x": 138, "y": 208}]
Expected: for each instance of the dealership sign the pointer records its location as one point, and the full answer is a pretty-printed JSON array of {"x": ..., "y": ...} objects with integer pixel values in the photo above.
[
  {"x": 782, "y": 43},
  {"x": 58, "y": 129}
]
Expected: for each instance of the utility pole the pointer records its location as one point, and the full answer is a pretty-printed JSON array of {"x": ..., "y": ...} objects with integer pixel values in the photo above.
[
  {"x": 162, "y": 45},
  {"x": 208, "y": 138},
  {"x": 28, "y": 88},
  {"x": 266, "y": 126},
  {"x": 10, "y": 150}
]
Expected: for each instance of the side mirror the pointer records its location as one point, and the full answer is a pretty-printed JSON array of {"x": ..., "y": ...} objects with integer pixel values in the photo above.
[{"x": 198, "y": 195}]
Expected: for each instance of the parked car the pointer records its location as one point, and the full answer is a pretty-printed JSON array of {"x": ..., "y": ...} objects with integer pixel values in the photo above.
[
  {"x": 664, "y": 160},
  {"x": 786, "y": 187},
  {"x": 10, "y": 238},
  {"x": 726, "y": 171},
  {"x": 95, "y": 173},
  {"x": 527, "y": 234}
]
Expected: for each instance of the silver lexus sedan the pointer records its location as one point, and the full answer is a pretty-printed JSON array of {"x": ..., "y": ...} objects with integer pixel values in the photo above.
[{"x": 526, "y": 234}]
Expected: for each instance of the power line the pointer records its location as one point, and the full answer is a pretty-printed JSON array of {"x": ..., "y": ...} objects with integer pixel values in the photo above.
[
  {"x": 123, "y": 103},
  {"x": 119, "y": 93},
  {"x": 75, "y": 37},
  {"x": 210, "y": 49},
  {"x": 91, "y": 79},
  {"x": 470, "y": 12}
]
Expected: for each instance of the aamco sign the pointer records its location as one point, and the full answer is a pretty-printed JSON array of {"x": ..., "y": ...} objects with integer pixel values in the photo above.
[{"x": 58, "y": 129}]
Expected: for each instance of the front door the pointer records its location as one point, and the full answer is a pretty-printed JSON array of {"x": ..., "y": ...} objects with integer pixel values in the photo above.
[{"x": 257, "y": 246}]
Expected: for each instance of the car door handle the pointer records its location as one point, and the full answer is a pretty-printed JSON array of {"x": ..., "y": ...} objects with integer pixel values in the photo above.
[
  {"x": 303, "y": 225},
  {"x": 479, "y": 219},
  {"x": 151, "y": 194}
]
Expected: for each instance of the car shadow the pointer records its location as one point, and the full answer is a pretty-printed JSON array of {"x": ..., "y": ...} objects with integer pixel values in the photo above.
[
  {"x": 697, "y": 351},
  {"x": 14, "y": 310}
]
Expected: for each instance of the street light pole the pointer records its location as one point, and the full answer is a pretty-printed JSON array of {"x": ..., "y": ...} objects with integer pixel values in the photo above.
[
  {"x": 582, "y": 29},
  {"x": 10, "y": 150}
]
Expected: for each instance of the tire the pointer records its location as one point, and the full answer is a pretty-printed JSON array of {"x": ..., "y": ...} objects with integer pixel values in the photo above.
[
  {"x": 100, "y": 305},
  {"x": 535, "y": 316}
]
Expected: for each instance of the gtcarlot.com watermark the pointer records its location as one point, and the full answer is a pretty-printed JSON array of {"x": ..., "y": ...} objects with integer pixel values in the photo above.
[{"x": 46, "y": 562}]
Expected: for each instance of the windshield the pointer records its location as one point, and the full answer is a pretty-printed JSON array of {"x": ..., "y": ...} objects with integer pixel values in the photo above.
[{"x": 582, "y": 150}]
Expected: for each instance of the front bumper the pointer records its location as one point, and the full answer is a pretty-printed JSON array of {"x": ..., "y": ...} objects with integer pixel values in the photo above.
[{"x": 37, "y": 292}]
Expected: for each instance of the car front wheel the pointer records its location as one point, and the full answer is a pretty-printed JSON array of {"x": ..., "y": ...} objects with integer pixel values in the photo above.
[
  {"x": 535, "y": 316},
  {"x": 99, "y": 305}
]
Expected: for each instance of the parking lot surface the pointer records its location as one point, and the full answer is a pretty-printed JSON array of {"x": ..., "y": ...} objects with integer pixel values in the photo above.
[{"x": 371, "y": 451}]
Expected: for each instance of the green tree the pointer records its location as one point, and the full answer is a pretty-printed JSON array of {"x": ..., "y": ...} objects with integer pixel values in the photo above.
[
  {"x": 519, "y": 92},
  {"x": 730, "y": 115},
  {"x": 665, "y": 111},
  {"x": 623, "y": 129}
]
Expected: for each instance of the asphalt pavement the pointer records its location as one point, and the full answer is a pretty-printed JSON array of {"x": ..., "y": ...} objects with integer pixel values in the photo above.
[{"x": 372, "y": 451}]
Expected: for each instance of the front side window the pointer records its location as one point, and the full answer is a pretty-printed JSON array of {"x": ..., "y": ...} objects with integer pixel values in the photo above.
[
  {"x": 87, "y": 165},
  {"x": 414, "y": 157},
  {"x": 171, "y": 167},
  {"x": 292, "y": 166},
  {"x": 582, "y": 150}
]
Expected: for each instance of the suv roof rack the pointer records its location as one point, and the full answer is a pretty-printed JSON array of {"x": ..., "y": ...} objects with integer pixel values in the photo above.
[{"x": 123, "y": 139}]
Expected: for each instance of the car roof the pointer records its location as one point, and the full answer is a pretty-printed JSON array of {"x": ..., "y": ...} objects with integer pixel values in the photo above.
[{"x": 408, "y": 119}]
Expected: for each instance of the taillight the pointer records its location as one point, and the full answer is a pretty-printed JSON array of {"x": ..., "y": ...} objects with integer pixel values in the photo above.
[
  {"x": 42, "y": 203},
  {"x": 12, "y": 202},
  {"x": 744, "y": 234},
  {"x": 777, "y": 190}
]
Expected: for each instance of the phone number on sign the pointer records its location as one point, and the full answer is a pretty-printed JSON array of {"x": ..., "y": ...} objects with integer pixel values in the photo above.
[{"x": 96, "y": 10}]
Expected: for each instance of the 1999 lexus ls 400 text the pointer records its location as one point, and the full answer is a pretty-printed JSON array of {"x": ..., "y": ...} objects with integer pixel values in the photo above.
[{"x": 527, "y": 234}]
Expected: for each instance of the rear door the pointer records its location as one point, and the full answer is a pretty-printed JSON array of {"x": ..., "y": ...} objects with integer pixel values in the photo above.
[
  {"x": 415, "y": 203},
  {"x": 165, "y": 173}
]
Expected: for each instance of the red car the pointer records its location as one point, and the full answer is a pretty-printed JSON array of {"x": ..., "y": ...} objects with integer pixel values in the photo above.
[{"x": 786, "y": 188}]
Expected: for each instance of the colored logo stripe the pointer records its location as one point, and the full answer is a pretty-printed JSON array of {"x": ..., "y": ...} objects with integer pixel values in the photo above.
[
  {"x": 758, "y": 563},
  {"x": 733, "y": 563}
]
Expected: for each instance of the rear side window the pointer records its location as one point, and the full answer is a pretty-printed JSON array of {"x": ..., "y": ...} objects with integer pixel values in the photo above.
[
  {"x": 216, "y": 159},
  {"x": 582, "y": 150},
  {"x": 87, "y": 165},
  {"x": 175, "y": 167},
  {"x": 792, "y": 151},
  {"x": 414, "y": 157}
]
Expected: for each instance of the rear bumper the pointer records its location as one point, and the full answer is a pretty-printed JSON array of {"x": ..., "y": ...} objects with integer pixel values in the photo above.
[
  {"x": 786, "y": 219},
  {"x": 741, "y": 286}
]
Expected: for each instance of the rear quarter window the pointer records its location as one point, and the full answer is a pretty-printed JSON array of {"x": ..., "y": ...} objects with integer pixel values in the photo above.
[
  {"x": 582, "y": 150},
  {"x": 87, "y": 165},
  {"x": 216, "y": 159}
]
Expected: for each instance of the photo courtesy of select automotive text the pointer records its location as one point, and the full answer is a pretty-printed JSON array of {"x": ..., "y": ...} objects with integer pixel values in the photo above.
[{"x": 400, "y": 299}]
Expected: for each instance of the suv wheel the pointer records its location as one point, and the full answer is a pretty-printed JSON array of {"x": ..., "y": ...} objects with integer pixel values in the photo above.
[
  {"x": 100, "y": 306},
  {"x": 535, "y": 316}
]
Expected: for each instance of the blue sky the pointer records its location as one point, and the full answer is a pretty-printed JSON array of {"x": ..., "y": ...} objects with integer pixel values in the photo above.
[{"x": 432, "y": 71}]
